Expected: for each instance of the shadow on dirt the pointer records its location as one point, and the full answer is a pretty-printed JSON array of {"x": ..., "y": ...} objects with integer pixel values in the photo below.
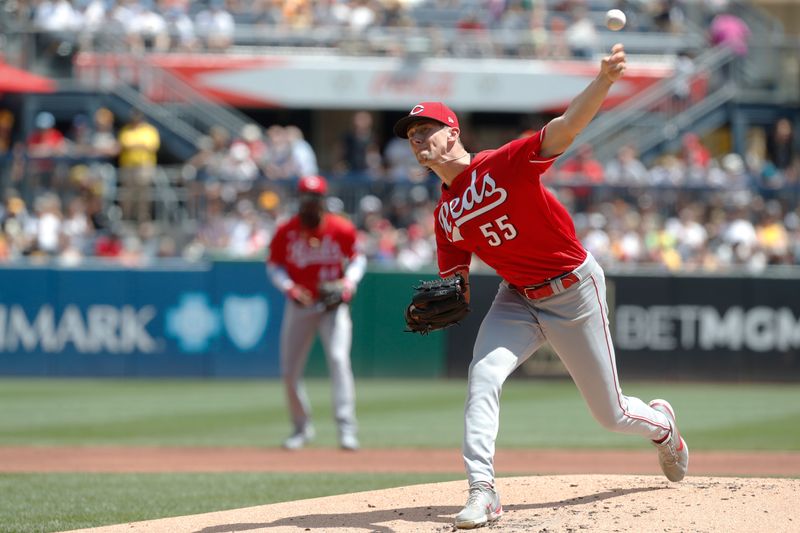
[{"x": 372, "y": 520}]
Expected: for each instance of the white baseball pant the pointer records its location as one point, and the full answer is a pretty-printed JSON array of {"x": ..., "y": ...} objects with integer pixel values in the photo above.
[
  {"x": 299, "y": 327},
  {"x": 575, "y": 322}
]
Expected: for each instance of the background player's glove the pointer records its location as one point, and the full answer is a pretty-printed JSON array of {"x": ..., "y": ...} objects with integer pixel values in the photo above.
[
  {"x": 300, "y": 295},
  {"x": 437, "y": 304},
  {"x": 334, "y": 293}
]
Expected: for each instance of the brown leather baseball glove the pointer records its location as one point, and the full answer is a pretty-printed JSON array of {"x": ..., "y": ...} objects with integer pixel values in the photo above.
[{"x": 437, "y": 304}]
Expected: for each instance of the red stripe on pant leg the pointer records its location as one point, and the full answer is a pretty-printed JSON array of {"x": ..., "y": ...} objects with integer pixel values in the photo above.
[{"x": 606, "y": 329}]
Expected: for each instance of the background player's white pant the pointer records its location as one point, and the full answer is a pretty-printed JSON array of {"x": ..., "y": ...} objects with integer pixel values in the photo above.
[
  {"x": 575, "y": 322},
  {"x": 299, "y": 327}
]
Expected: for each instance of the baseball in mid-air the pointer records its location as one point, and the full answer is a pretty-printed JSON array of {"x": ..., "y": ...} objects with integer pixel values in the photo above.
[{"x": 615, "y": 19}]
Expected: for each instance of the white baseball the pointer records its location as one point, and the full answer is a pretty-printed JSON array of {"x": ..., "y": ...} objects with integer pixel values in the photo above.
[{"x": 615, "y": 19}]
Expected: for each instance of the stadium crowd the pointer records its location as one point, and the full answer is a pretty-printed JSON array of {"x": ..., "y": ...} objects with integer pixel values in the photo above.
[
  {"x": 553, "y": 28},
  {"x": 94, "y": 188},
  {"x": 687, "y": 210}
]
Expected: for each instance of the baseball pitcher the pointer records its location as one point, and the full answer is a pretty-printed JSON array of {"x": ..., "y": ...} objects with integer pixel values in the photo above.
[
  {"x": 313, "y": 259},
  {"x": 493, "y": 204}
]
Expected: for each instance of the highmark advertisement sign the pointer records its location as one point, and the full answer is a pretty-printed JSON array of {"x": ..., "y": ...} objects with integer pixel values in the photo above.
[{"x": 220, "y": 321}]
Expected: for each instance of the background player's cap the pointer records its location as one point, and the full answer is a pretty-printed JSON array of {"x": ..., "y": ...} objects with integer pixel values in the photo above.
[
  {"x": 432, "y": 110},
  {"x": 312, "y": 185}
]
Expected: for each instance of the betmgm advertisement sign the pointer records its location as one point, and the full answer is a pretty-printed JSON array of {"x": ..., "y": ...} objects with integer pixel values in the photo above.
[
  {"x": 736, "y": 328},
  {"x": 675, "y": 328}
]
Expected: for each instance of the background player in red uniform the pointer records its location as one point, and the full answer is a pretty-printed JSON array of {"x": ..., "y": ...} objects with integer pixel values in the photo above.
[
  {"x": 494, "y": 205},
  {"x": 308, "y": 250}
]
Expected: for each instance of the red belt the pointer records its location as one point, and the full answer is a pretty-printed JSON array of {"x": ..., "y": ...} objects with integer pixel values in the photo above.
[{"x": 543, "y": 290}]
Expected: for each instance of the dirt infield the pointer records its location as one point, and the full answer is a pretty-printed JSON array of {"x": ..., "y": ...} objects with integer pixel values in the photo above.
[
  {"x": 547, "y": 504},
  {"x": 508, "y": 462},
  {"x": 615, "y": 491}
]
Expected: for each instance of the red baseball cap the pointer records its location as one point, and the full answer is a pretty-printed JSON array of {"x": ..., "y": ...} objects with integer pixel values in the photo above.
[
  {"x": 431, "y": 110},
  {"x": 312, "y": 184}
]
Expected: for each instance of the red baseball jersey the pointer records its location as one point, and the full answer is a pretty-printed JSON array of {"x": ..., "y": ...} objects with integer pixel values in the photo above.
[
  {"x": 499, "y": 210},
  {"x": 314, "y": 255}
]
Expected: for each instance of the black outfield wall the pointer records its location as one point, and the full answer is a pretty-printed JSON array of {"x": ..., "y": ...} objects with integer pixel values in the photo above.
[{"x": 677, "y": 327}]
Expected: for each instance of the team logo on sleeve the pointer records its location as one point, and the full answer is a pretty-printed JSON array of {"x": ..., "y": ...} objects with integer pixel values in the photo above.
[{"x": 470, "y": 204}]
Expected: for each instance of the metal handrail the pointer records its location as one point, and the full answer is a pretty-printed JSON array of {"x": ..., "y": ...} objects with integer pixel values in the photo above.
[
  {"x": 640, "y": 107},
  {"x": 121, "y": 66}
]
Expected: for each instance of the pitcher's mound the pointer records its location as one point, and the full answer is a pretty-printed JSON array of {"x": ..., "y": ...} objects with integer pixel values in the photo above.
[{"x": 551, "y": 504}]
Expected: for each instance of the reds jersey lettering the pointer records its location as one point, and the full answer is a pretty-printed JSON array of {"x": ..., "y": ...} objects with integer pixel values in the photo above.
[
  {"x": 526, "y": 236},
  {"x": 313, "y": 255},
  {"x": 302, "y": 253},
  {"x": 460, "y": 209}
]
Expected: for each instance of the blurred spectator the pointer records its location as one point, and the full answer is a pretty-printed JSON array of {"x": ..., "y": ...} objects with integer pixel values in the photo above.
[
  {"x": 46, "y": 140},
  {"x": 205, "y": 168},
  {"x": 43, "y": 144},
  {"x": 735, "y": 176},
  {"x": 215, "y": 26},
  {"x": 626, "y": 168},
  {"x": 667, "y": 15},
  {"x": 97, "y": 213},
  {"x": 6, "y": 130},
  {"x": 582, "y": 34},
  {"x": 298, "y": 14},
  {"x": 122, "y": 23},
  {"x": 16, "y": 223},
  {"x": 773, "y": 236},
  {"x": 684, "y": 74},
  {"x": 109, "y": 244},
  {"x": 201, "y": 168},
  {"x": 401, "y": 164},
  {"x": 305, "y": 159},
  {"x": 238, "y": 171},
  {"x": 687, "y": 232},
  {"x": 727, "y": 29},
  {"x": 149, "y": 29},
  {"x": 60, "y": 23},
  {"x": 362, "y": 15},
  {"x": 472, "y": 37},
  {"x": 249, "y": 235},
  {"x": 181, "y": 30},
  {"x": 139, "y": 142},
  {"x": 415, "y": 249},
  {"x": 251, "y": 136},
  {"x": 781, "y": 149},
  {"x": 79, "y": 135},
  {"x": 730, "y": 31},
  {"x": 104, "y": 142},
  {"x": 95, "y": 19},
  {"x": 280, "y": 163},
  {"x": 77, "y": 228},
  {"x": 47, "y": 224},
  {"x": 739, "y": 229},
  {"x": 552, "y": 44},
  {"x": 696, "y": 158},
  {"x": 359, "y": 153},
  {"x": 512, "y": 22}
]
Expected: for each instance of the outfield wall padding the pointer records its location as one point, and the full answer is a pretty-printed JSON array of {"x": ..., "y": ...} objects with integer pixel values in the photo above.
[
  {"x": 681, "y": 327},
  {"x": 223, "y": 320},
  {"x": 218, "y": 320}
]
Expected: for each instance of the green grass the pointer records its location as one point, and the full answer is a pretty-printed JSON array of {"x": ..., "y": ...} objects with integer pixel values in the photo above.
[
  {"x": 57, "y": 502},
  {"x": 392, "y": 413}
]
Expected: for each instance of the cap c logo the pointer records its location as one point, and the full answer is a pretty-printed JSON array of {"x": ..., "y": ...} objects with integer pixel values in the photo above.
[{"x": 417, "y": 110}]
